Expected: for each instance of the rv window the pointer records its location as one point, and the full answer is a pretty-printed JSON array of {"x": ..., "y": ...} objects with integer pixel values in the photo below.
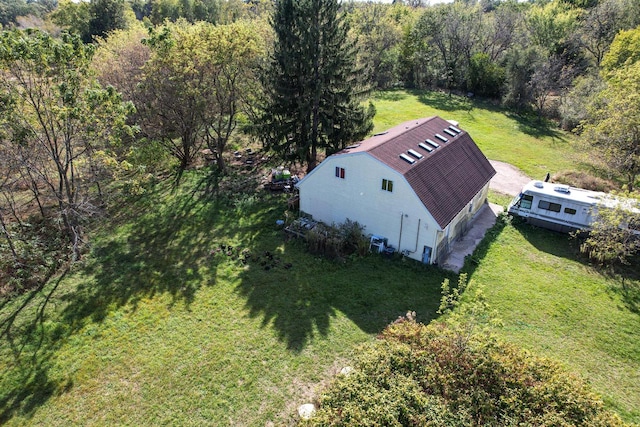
[
  {"x": 570, "y": 211},
  {"x": 525, "y": 201},
  {"x": 548, "y": 206}
]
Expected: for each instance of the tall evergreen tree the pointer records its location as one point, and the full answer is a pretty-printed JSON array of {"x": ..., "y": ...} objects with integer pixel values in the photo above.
[{"x": 313, "y": 88}]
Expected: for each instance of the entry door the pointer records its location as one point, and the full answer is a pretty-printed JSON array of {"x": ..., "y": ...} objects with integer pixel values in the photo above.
[{"x": 426, "y": 255}]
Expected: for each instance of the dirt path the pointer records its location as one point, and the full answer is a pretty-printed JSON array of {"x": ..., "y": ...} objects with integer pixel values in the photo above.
[{"x": 508, "y": 180}]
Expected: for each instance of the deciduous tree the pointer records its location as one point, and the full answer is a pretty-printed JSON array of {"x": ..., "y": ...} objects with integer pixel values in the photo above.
[
  {"x": 613, "y": 124},
  {"x": 196, "y": 83},
  {"x": 59, "y": 123},
  {"x": 613, "y": 238}
]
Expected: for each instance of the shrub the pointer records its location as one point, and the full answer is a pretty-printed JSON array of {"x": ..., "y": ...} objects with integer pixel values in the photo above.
[
  {"x": 584, "y": 180},
  {"x": 441, "y": 374},
  {"x": 337, "y": 241}
]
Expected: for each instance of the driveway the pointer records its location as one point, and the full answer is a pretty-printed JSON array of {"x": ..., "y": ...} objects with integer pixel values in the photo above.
[{"x": 508, "y": 180}]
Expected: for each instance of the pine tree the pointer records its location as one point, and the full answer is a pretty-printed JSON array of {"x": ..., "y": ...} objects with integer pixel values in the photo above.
[{"x": 313, "y": 87}]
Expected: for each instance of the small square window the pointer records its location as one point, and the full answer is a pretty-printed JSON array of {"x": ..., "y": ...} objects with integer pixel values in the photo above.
[
  {"x": 570, "y": 211},
  {"x": 387, "y": 185},
  {"x": 339, "y": 172}
]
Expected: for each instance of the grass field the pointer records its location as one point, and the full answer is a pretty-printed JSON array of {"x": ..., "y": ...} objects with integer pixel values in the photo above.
[
  {"x": 551, "y": 301},
  {"x": 159, "y": 325}
]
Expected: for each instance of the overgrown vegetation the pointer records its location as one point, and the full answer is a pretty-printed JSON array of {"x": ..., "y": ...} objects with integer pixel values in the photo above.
[
  {"x": 30, "y": 256},
  {"x": 337, "y": 241},
  {"x": 455, "y": 373}
]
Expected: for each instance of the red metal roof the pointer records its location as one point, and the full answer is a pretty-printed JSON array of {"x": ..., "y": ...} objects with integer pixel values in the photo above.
[{"x": 445, "y": 179}]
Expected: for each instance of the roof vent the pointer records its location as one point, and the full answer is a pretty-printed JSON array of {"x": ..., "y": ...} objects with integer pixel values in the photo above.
[
  {"x": 562, "y": 189},
  {"x": 351, "y": 147},
  {"x": 455, "y": 129},
  {"x": 407, "y": 159},
  {"x": 381, "y": 133},
  {"x": 441, "y": 138},
  {"x": 450, "y": 132},
  {"x": 415, "y": 154},
  {"x": 538, "y": 184}
]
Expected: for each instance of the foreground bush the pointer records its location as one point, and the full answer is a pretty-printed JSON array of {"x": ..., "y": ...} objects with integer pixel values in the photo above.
[{"x": 443, "y": 375}]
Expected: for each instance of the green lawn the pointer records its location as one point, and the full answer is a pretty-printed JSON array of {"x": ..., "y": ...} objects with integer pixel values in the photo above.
[
  {"x": 159, "y": 327},
  {"x": 154, "y": 329},
  {"x": 554, "y": 303}
]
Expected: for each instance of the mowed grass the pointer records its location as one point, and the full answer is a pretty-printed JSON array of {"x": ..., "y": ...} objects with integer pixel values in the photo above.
[
  {"x": 158, "y": 327},
  {"x": 155, "y": 329},
  {"x": 552, "y": 302},
  {"x": 536, "y": 147}
]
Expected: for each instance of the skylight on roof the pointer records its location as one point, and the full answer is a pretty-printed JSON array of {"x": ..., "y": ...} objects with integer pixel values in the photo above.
[
  {"x": 425, "y": 147},
  {"x": 432, "y": 143},
  {"x": 450, "y": 132},
  {"x": 415, "y": 154},
  {"x": 441, "y": 138},
  {"x": 407, "y": 159},
  {"x": 455, "y": 129}
]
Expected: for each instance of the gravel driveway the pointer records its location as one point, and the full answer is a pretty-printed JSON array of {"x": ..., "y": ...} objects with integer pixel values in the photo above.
[{"x": 508, "y": 180}]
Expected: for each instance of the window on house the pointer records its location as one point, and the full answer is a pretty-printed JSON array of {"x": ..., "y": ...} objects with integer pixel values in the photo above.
[
  {"x": 548, "y": 206},
  {"x": 339, "y": 172},
  {"x": 387, "y": 185},
  {"x": 570, "y": 211},
  {"x": 525, "y": 201}
]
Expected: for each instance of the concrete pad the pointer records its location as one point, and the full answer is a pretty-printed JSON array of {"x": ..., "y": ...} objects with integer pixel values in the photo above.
[{"x": 483, "y": 220}]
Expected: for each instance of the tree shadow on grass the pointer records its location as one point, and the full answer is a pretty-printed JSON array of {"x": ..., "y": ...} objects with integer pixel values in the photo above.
[
  {"x": 32, "y": 343},
  {"x": 624, "y": 280},
  {"x": 537, "y": 127},
  {"x": 472, "y": 261},
  {"x": 299, "y": 295},
  {"x": 390, "y": 95},
  {"x": 444, "y": 101},
  {"x": 162, "y": 248}
]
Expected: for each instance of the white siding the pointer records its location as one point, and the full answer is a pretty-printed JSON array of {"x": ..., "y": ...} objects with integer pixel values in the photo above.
[{"x": 360, "y": 197}]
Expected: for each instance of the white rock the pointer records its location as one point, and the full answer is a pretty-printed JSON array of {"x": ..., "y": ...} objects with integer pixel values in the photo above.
[
  {"x": 346, "y": 370},
  {"x": 306, "y": 411}
]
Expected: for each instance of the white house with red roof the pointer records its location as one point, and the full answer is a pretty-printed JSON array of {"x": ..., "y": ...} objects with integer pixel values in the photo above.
[{"x": 416, "y": 186}]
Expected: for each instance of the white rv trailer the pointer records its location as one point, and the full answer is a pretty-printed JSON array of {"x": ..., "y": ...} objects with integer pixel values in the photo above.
[{"x": 560, "y": 207}]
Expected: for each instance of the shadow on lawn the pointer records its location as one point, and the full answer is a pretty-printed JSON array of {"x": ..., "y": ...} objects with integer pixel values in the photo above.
[
  {"x": 444, "y": 101},
  {"x": 537, "y": 127},
  {"x": 302, "y": 294},
  {"x": 624, "y": 279},
  {"x": 625, "y": 282},
  {"x": 163, "y": 248}
]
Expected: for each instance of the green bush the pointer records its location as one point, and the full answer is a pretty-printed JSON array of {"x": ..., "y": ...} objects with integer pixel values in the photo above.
[{"x": 440, "y": 374}]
